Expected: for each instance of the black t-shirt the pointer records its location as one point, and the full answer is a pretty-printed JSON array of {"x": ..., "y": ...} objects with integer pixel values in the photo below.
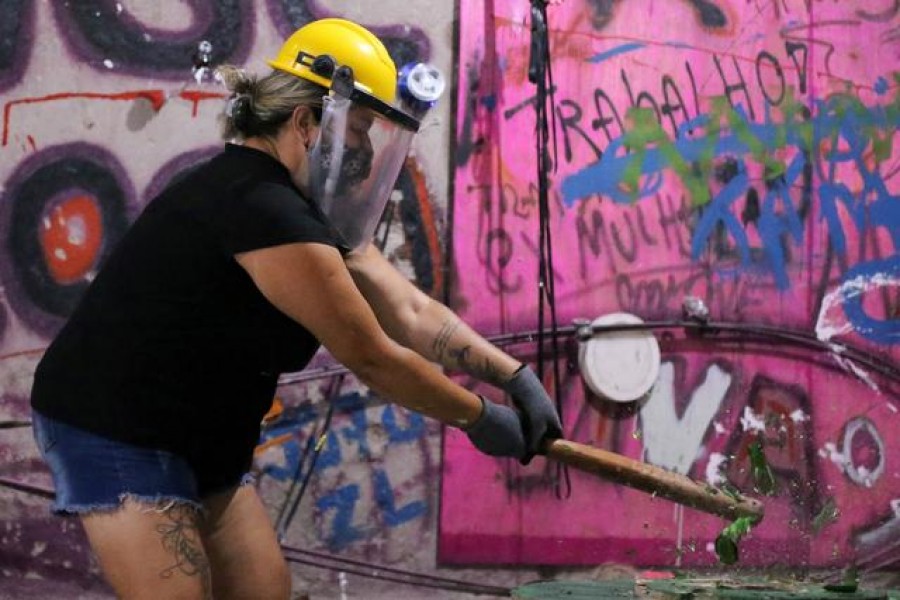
[{"x": 173, "y": 346}]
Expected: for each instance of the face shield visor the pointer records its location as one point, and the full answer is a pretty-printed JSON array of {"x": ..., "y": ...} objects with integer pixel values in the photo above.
[{"x": 356, "y": 159}]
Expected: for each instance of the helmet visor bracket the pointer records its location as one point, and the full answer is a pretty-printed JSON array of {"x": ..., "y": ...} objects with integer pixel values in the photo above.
[
  {"x": 342, "y": 83},
  {"x": 356, "y": 159}
]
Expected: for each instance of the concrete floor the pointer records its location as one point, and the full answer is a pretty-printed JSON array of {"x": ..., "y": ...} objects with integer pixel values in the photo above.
[{"x": 329, "y": 585}]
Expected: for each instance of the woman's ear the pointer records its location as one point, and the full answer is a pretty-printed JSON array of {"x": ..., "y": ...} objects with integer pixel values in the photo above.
[{"x": 304, "y": 124}]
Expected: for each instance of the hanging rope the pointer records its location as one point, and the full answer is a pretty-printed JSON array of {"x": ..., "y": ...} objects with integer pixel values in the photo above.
[{"x": 541, "y": 74}]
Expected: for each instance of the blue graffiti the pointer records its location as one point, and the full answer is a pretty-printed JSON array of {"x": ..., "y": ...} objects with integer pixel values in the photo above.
[
  {"x": 873, "y": 205},
  {"x": 774, "y": 224},
  {"x": 873, "y": 273},
  {"x": 719, "y": 211},
  {"x": 292, "y": 421},
  {"x": 358, "y": 428},
  {"x": 852, "y": 133},
  {"x": 414, "y": 431},
  {"x": 352, "y": 409},
  {"x": 343, "y": 500},
  {"x": 620, "y": 49},
  {"x": 384, "y": 497}
]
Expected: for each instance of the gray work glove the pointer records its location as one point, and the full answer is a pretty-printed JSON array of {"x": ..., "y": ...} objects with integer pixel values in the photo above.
[
  {"x": 539, "y": 418},
  {"x": 498, "y": 431}
]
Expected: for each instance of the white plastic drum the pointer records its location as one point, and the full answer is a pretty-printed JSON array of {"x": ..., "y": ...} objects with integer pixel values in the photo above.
[{"x": 620, "y": 365}]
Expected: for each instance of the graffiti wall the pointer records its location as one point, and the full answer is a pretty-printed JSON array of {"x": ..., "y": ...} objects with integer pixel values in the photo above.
[
  {"x": 738, "y": 151},
  {"x": 742, "y": 152},
  {"x": 103, "y": 103}
]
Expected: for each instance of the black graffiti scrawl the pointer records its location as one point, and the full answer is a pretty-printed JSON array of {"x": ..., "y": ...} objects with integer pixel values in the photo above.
[
  {"x": 16, "y": 39},
  {"x": 105, "y": 35},
  {"x": 709, "y": 13}
]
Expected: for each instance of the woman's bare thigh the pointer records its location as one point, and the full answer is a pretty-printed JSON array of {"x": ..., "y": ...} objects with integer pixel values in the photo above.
[
  {"x": 151, "y": 550},
  {"x": 244, "y": 554}
]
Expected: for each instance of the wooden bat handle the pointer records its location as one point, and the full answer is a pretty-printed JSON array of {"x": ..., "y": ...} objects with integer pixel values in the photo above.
[{"x": 652, "y": 479}]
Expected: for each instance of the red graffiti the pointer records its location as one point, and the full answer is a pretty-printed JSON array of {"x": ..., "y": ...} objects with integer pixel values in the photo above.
[
  {"x": 195, "y": 97},
  {"x": 71, "y": 236},
  {"x": 157, "y": 99}
]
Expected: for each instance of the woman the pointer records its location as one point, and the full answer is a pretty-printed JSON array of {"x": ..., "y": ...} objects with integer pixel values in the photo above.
[{"x": 147, "y": 405}]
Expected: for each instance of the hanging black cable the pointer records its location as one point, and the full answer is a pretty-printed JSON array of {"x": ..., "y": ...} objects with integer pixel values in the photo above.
[
  {"x": 314, "y": 446},
  {"x": 393, "y": 574},
  {"x": 20, "y": 486},
  {"x": 383, "y": 229},
  {"x": 540, "y": 74}
]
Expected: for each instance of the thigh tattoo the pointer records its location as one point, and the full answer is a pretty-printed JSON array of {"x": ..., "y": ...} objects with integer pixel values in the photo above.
[{"x": 181, "y": 537}]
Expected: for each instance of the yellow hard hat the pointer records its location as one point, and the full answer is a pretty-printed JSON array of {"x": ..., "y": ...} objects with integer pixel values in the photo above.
[{"x": 314, "y": 51}]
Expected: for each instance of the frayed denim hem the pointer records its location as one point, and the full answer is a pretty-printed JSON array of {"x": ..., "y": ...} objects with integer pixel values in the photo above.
[
  {"x": 158, "y": 503},
  {"x": 246, "y": 479}
]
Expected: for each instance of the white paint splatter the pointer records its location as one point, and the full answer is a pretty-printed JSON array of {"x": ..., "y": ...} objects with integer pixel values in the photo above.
[
  {"x": 38, "y": 548},
  {"x": 829, "y": 326},
  {"x": 109, "y": 64},
  {"x": 830, "y": 452},
  {"x": 864, "y": 476},
  {"x": 119, "y": 8},
  {"x": 674, "y": 443},
  {"x": 720, "y": 429},
  {"x": 883, "y": 535},
  {"x": 751, "y": 421},
  {"x": 864, "y": 377},
  {"x": 831, "y": 320},
  {"x": 342, "y": 584},
  {"x": 851, "y": 367},
  {"x": 861, "y": 474},
  {"x": 714, "y": 468},
  {"x": 891, "y": 407},
  {"x": 200, "y": 74},
  {"x": 76, "y": 230},
  {"x": 798, "y": 416}
]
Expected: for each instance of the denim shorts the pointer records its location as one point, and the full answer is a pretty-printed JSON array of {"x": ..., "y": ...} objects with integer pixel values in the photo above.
[{"x": 94, "y": 473}]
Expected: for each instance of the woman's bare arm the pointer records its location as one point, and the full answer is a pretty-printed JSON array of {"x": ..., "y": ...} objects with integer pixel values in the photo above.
[
  {"x": 423, "y": 324},
  {"x": 310, "y": 283}
]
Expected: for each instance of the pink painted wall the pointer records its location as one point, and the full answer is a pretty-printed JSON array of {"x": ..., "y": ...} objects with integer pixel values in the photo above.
[{"x": 740, "y": 151}]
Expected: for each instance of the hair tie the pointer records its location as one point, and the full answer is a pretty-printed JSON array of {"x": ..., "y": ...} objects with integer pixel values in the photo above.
[{"x": 240, "y": 111}]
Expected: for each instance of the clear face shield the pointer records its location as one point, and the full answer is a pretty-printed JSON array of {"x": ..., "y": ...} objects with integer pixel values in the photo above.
[{"x": 357, "y": 158}]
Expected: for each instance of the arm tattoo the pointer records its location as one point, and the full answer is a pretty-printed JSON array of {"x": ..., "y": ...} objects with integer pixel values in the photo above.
[
  {"x": 442, "y": 340},
  {"x": 181, "y": 537},
  {"x": 485, "y": 371},
  {"x": 462, "y": 356}
]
